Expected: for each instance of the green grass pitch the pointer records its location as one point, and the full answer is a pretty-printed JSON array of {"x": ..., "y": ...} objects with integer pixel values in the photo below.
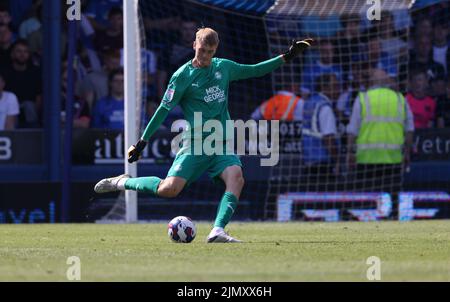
[{"x": 409, "y": 251}]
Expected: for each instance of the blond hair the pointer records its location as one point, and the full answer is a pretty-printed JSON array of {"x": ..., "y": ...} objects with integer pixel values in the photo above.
[{"x": 207, "y": 36}]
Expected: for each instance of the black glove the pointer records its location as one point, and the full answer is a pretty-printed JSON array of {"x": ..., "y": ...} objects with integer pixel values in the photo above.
[
  {"x": 134, "y": 152},
  {"x": 297, "y": 47}
]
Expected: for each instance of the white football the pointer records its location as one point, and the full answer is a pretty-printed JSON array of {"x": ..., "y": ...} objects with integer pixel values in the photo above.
[{"x": 181, "y": 229}]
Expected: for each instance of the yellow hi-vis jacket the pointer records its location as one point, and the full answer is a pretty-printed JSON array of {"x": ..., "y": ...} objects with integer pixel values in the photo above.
[{"x": 381, "y": 136}]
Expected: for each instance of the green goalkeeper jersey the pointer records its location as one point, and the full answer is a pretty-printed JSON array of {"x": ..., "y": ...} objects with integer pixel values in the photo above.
[{"x": 205, "y": 91}]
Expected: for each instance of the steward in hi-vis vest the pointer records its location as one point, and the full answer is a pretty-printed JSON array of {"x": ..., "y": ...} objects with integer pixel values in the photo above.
[{"x": 379, "y": 136}]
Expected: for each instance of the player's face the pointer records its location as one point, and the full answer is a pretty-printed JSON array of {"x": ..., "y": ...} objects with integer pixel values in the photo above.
[{"x": 204, "y": 53}]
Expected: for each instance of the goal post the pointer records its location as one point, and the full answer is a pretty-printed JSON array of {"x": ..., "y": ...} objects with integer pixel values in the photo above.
[{"x": 131, "y": 34}]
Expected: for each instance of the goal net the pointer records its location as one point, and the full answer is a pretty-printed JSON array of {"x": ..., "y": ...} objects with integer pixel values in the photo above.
[
  {"x": 323, "y": 172},
  {"x": 359, "y": 47}
]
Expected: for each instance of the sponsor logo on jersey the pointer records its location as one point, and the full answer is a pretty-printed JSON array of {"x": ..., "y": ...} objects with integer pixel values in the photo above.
[
  {"x": 214, "y": 93},
  {"x": 218, "y": 75}
]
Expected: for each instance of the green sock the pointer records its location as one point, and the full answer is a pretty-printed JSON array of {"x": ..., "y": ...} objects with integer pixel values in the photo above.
[
  {"x": 226, "y": 209},
  {"x": 143, "y": 184}
]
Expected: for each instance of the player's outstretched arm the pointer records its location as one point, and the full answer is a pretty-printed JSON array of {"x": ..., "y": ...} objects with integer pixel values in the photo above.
[
  {"x": 296, "y": 48},
  {"x": 134, "y": 152},
  {"x": 243, "y": 71}
]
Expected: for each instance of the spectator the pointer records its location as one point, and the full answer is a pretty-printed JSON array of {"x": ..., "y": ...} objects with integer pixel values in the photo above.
[
  {"x": 109, "y": 111},
  {"x": 378, "y": 59},
  {"x": 423, "y": 27},
  {"x": 379, "y": 157},
  {"x": 422, "y": 105},
  {"x": 97, "y": 12},
  {"x": 422, "y": 58},
  {"x": 438, "y": 87},
  {"x": 87, "y": 54},
  {"x": 319, "y": 134},
  {"x": 347, "y": 42},
  {"x": 112, "y": 37},
  {"x": 35, "y": 39},
  {"x": 358, "y": 83},
  {"x": 284, "y": 105},
  {"x": 325, "y": 64},
  {"x": 81, "y": 113},
  {"x": 158, "y": 18},
  {"x": 148, "y": 70},
  {"x": 94, "y": 85},
  {"x": 24, "y": 80},
  {"x": 33, "y": 22},
  {"x": 5, "y": 17},
  {"x": 85, "y": 47},
  {"x": 330, "y": 25},
  {"x": 162, "y": 32},
  {"x": 441, "y": 52},
  {"x": 9, "y": 108},
  {"x": 180, "y": 52},
  {"x": 443, "y": 108},
  {"x": 87, "y": 57},
  {"x": 391, "y": 42},
  {"x": 19, "y": 11},
  {"x": 7, "y": 38},
  {"x": 86, "y": 27}
]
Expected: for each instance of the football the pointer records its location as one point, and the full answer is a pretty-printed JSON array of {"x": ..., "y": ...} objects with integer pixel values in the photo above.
[{"x": 181, "y": 229}]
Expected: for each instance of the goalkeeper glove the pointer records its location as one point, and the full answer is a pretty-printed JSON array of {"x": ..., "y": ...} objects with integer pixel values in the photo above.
[
  {"x": 296, "y": 48},
  {"x": 134, "y": 152}
]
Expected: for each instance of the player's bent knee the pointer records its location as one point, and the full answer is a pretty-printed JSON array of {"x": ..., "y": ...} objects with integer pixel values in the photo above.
[
  {"x": 169, "y": 188},
  {"x": 168, "y": 192}
]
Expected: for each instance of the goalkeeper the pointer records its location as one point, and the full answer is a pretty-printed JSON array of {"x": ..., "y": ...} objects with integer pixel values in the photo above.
[{"x": 200, "y": 86}]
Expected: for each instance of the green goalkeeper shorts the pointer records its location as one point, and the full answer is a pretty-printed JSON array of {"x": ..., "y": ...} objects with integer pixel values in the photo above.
[{"x": 191, "y": 167}]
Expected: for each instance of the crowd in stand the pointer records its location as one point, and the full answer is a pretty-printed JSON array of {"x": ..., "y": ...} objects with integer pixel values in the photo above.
[
  {"x": 344, "y": 58},
  {"x": 416, "y": 64}
]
